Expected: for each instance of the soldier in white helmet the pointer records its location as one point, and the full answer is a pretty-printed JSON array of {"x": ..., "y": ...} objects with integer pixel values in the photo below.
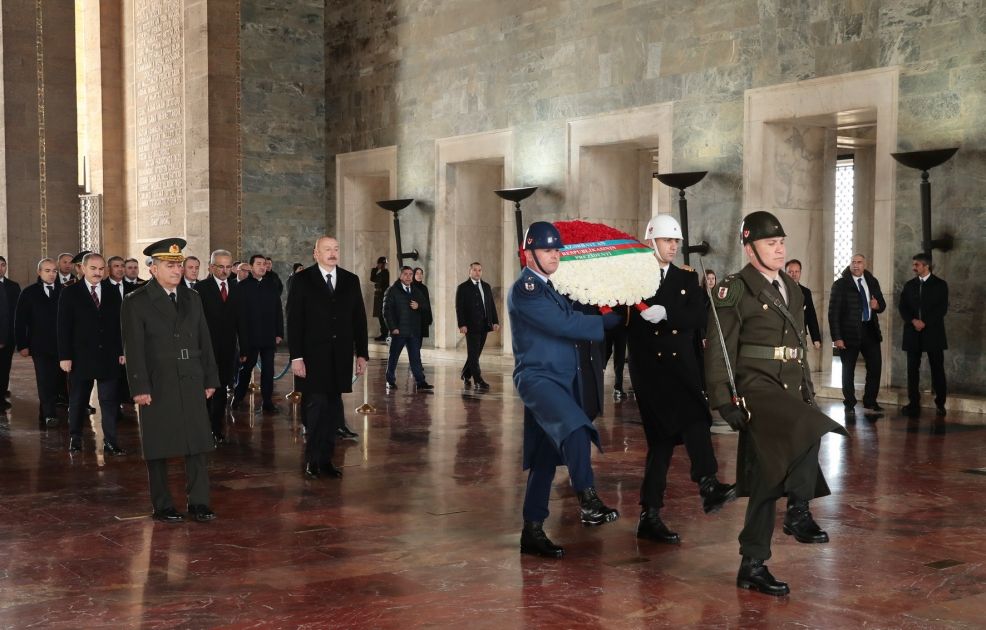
[{"x": 666, "y": 373}]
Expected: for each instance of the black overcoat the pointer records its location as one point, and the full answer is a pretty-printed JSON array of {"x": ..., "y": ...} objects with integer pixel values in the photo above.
[
  {"x": 169, "y": 356},
  {"x": 846, "y": 310},
  {"x": 475, "y": 312},
  {"x": 327, "y": 331},
  {"x": 222, "y": 318},
  {"x": 261, "y": 318},
  {"x": 89, "y": 337},
  {"x": 12, "y": 290},
  {"x": 929, "y": 303},
  {"x": 36, "y": 318}
]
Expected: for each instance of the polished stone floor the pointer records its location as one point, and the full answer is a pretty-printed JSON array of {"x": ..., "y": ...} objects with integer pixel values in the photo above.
[{"x": 423, "y": 529}]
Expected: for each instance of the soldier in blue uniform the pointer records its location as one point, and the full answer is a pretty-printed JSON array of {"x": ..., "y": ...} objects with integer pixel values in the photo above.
[{"x": 557, "y": 431}]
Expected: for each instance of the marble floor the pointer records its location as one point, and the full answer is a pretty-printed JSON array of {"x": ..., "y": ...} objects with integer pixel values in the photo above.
[{"x": 423, "y": 530}]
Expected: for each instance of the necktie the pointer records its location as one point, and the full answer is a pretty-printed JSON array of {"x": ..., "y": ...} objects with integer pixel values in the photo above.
[
  {"x": 407, "y": 290},
  {"x": 482, "y": 298},
  {"x": 662, "y": 278},
  {"x": 223, "y": 293},
  {"x": 95, "y": 298},
  {"x": 777, "y": 285},
  {"x": 174, "y": 300},
  {"x": 550, "y": 285},
  {"x": 48, "y": 289},
  {"x": 863, "y": 301},
  {"x": 920, "y": 295},
  {"x": 328, "y": 283}
]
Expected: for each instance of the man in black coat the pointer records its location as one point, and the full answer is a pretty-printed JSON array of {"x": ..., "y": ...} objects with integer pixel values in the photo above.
[
  {"x": 261, "y": 328},
  {"x": 855, "y": 301},
  {"x": 380, "y": 277},
  {"x": 12, "y": 292},
  {"x": 404, "y": 306},
  {"x": 664, "y": 366},
  {"x": 326, "y": 329},
  {"x": 90, "y": 348},
  {"x": 476, "y": 315},
  {"x": 923, "y": 305},
  {"x": 793, "y": 269},
  {"x": 66, "y": 269},
  {"x": 131, "y": 273},
  {"x": 34, "y": 321},
  {"x": 219, "y": 303}
]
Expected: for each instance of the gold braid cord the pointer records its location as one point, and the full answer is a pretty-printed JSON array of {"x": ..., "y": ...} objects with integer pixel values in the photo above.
[{"x": 39, "y": 49}]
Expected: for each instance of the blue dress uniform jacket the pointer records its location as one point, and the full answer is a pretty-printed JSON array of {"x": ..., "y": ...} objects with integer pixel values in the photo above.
[{"x": 545, "y": 330}]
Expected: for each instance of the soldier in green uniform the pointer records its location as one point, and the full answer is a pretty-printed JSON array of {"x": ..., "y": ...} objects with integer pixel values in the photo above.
[
  {"x": 172, "y": 371},
  {"x": 761, "y": 317}
]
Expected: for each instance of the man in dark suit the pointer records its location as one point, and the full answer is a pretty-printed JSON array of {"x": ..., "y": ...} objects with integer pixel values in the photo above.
[
  {"x": 793, "y": 269},
  {"x": 923, "y": 306},
  {"x": 855, "y": 301},
  {"x": 404, "y": 306},
  {"x": 326, "y": 329},
  {"x": 12, "y": 292},
  {"x": 66, "y": 269},
  {"x": 476, "y": 315},
  {"x": 221, "y": 312},
  {"x": 190, "y": 271},
  {"x": 664, "y": 365},
  {"x": 115, "y": 281},
  {"x": 35, "y": 319},
  {"x": 261, "y": 328},
  {"x": 90, "y": 349},
  {"x": 131, "y": 273},
  {"x": 272, "y": 277},
  {"x": 165, "y": 334}
]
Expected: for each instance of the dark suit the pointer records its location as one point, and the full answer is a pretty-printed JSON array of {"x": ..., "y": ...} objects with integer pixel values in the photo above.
[
  {"x": 89, "y": 337},
  {"x": 124, "y": 391},
  {"x": 35, "y": 319},
  {"x": 476, "y": 310},
  {"x": 811, "y": 317},
  {"x": 12, "y": 292},
  {"x": 222, "y": 318},
  {"x": 400, "y": 316},
  {"x": 928, "y": 302},
  {"x": 261, "y": 319},
  {"x": 846, "y": 323},
  {"x": 326, "y": 328}
]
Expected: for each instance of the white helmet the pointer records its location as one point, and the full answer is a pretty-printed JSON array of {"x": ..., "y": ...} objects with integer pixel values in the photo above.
[{"x": 662, "y": 226}]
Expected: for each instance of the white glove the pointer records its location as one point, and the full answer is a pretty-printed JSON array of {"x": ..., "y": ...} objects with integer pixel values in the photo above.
[{"x": 655, "y": 314}]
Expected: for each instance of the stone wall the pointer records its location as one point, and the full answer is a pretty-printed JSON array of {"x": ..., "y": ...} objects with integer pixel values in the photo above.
[{"x": 406, "y": 73}]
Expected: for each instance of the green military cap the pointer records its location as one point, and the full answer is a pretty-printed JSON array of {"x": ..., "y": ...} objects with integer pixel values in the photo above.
[
  {"x": 759, "y": 225},
  {"x": 78, "y": 257},
  {"x": 167, "y": 249}
]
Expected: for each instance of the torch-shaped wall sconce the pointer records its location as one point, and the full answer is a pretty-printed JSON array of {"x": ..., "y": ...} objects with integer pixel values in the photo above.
[
  {"x": 681, "y": 181},
  {"x": 395, "y": 206},
  {"x": 924, "y": 161},
  {"x": 517, "y": 195}
]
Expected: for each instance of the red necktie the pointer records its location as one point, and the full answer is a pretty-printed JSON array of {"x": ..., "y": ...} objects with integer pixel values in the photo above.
[
  {"x": 95, "y": 298},
  {"x": 222, "y": 291}
]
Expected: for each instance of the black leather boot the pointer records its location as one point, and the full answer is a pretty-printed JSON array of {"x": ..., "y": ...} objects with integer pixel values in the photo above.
[
  {"x": 651, "y": 527},
  {"x": 799, "y": 523},
  {"x": 593, "y": 511},
  {"x": 535, "y": 542},
  {"x": 715, "y": 494},
  {"x": 753, "y": 575}
]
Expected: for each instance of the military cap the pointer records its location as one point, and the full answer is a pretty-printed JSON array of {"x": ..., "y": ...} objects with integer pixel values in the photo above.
[
  {"x": 78, "y": 257},
  {"x": 759, "y": 225},
  {"x": 167, "y": 249}
]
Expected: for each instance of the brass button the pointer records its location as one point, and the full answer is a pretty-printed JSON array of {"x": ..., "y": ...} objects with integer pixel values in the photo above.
[
  {"x": 682, "y": 291},
  {"x": 658, "y": 354},
  {"x": 785, "y": 385},
  {"x": 765, "y": 307},
  {"x": 674, "y": 332},
  {"x": 657, "y": 332},
  {"x": 799, "y": 361},
  {"x": 674, "y": 354}
]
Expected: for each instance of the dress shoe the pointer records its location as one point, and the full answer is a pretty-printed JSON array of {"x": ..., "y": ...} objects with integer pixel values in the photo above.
[
  {"x": 873, "y": 407},
  {"x": 201, "y": 513},
  {"x": 754, "y": 575},
  {"x": 651, "y": 527},
  {"x": 715, "y": 494},
  {"x": 109, "y": 448},
  {"x": 799, "y": 523},
  {"x": 619, "y": 394},
  {"x": 218, "y": 438},
  {"x": 424, "y": 386},
  {"x": 482, "y": 385},
  {"x": 311, "y": 470},
  {"x": 940, "y": 411},
  {"x": 390, "y": 386},
  {"x": 593, "y": 511},
  {"x": 535, "y": 542},
  {"x": 466, "y": 382},
  {"x": 168, "y": 515},
  {"x": 330, "y": 471},
  {"x": 271, "y": 408},
  {"x": 911, "y": 411},
  {"x": 345, "y": 433},
  {"x": 75, "y": 445}
]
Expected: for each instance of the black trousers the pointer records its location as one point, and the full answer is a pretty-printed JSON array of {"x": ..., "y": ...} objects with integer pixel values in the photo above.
[
  {"x": 266, "y": 356},
  {"x": 869, "y": 347},
  {"x": 217, "y": 404},
  {"x": 6, "y": 358},
  {"x": 698, "y": 444},
  {"x": 384, "y": 332},
  {"x": 78, "y": 404},
  {"x": 475, "y": 341},
  {"x": 576, "y": 453},
  {"x": 761, "y": 511},
  {"x": 323, "y": 417},
  {"x": 46, "y": 375},
  {"x": 196, "y": 481},
  {"x": 936, "y": 361},
  {"x": 616, "y": 347}
]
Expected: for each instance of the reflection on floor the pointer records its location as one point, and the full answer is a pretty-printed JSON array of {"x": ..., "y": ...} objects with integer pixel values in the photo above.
[{"x": 423, "y": 529}]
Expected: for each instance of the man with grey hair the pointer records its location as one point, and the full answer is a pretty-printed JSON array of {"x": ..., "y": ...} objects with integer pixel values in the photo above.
[{"x": 37, "y": 312}]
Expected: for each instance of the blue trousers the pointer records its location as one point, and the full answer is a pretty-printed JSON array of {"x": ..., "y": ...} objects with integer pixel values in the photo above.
[
  {"x": 397, "y": 343},
  {"x": 575, "y": 453}
]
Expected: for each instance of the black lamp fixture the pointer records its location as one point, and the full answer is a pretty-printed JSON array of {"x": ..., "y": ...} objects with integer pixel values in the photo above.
[
  {"x": 924, "y": 161},
  {"x": 395, "y": 206},
  {"x": 517, "y": 195},
  {"x": 681, "y": 181}
]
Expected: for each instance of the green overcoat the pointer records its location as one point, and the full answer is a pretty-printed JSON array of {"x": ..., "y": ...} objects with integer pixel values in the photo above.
[
  {"x": 784, "y": 420},
  {"x": 169, "y": 356}
]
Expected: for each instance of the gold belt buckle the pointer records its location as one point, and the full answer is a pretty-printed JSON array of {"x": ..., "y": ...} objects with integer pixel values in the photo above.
[
  {"x": 792, "y": 353},
  {"x": 779, "y": 354}
]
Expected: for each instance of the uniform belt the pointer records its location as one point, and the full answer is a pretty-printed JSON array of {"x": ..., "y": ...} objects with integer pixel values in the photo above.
[
  {"x": 185, "y": 354},
  {"x": 771, "y": 353}
]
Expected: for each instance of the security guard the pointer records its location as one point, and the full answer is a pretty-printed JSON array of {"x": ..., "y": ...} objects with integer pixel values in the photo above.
[
  {"x": 172, "y": 371},
  {"x": 663, "y": 355},
  {"x": 761, "y": 318},
  {"x": 546, "y": 373}
]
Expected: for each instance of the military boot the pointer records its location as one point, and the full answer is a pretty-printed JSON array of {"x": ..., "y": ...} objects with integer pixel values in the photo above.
[
  {"x": 651, "y": 527},
  {"x": 715, "y": 494},
  {"x": 592, "y": 509},
  {"x": 535, "y": 542},
  {"x": 753, "y": 575},
  {"x": 799, "y": 523}
]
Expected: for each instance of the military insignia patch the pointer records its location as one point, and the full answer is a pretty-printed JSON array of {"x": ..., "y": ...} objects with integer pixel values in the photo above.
[
  {"x": 723, "y": 292},
  {"x": 529, "y": 287}
]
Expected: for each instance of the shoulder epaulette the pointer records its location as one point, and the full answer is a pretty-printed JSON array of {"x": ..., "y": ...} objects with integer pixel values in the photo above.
[{"x": 729, "y": 291}]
